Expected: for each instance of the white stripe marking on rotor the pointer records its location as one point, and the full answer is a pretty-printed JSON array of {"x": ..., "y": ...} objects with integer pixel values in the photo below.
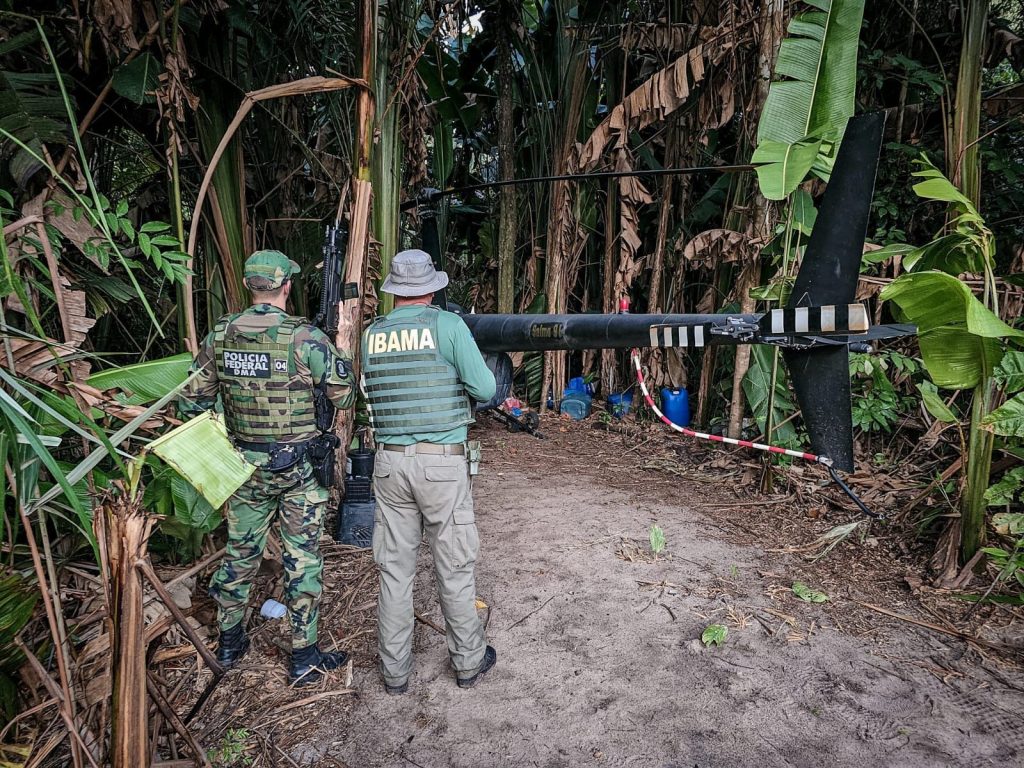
[
  {"x": 858, "y": 317},
  {"x": 667, "y": 335},
  {"x": 698, "y": 336},
  {"x": 800, "y": 320},
  {"x": 654, "y": 336},
  {"x": 828, "y": 318},
  {"x": 778, "y": 321}
]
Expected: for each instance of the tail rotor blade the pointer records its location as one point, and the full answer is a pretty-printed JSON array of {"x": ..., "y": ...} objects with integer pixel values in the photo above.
[
  {"x": 821, "y": 379},
  {"x": 831, "y": 265}
]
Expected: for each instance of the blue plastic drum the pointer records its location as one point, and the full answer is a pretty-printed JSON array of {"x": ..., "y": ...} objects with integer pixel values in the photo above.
[{"x": 675, "y": 404}]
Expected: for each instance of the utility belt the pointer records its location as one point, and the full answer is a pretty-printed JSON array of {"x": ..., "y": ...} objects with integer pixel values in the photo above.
[
  {"x": 283, "y": 456},
  {"x": 471, "y": 450}
]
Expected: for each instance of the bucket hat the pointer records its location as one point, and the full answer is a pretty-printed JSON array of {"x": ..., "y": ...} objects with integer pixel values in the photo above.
[{"x": 413, "y": 274}]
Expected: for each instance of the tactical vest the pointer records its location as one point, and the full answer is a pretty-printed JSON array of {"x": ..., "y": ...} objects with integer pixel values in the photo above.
[
  {"x": 265, "y": 400},
  {"x": 409, "y": 386}
]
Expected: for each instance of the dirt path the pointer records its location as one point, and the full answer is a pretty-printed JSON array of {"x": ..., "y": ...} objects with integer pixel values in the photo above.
[{"x": 596, "y": 666}]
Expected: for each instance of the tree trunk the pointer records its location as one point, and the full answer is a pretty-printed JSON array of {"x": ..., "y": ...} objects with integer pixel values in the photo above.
[
  {"x": 359, "y": 224},
  {"x": 609, "y": 373},
  {"x": 965, "y": 170},
  {"x": 507, "y": 222},
  {"x": 759, "y": 223},
  {"x": 125, "y": 528}
]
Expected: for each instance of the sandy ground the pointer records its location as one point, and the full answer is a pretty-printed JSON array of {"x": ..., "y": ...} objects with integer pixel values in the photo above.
[
  {"x": 600, "y": 662},
  {"x": 599, "y": 657}
]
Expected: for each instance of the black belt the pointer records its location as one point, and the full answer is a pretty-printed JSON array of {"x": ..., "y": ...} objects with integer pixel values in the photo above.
[{"x": 245, "y": 445}]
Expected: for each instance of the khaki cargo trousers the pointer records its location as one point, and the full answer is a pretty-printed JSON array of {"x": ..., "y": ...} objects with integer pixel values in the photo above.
[{"x": 428, "y": 494}]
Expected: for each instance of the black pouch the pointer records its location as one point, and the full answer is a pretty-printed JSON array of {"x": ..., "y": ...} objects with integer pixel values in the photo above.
[{"x": 284, "y": 457}]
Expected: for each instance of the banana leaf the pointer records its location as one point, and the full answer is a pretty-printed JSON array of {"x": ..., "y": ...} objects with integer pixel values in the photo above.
[
  {"x": 200, "y": 451},
  {"x": 150, "y": 380},
  {"x": 815, "y": 98},
  {"x": 960, "y": 338}
]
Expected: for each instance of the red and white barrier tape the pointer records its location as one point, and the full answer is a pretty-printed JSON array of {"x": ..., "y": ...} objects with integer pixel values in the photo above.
[{"x": 635, "y": 355}]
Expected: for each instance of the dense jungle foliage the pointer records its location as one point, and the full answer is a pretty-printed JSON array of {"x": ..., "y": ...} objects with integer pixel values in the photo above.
[{"x": 112, "y": 111}]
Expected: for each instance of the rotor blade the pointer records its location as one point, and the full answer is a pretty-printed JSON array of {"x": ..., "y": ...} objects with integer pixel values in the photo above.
[
  {"x": 831, "y": 264},
  {"x": 821, "y": 379}
]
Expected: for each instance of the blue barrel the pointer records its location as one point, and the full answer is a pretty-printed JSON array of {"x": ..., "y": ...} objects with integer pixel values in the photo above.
[{"x": 675, "y": 404}]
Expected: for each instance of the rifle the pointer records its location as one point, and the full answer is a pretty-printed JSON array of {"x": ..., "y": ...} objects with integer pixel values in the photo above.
[{"x": 322, "y": 448}]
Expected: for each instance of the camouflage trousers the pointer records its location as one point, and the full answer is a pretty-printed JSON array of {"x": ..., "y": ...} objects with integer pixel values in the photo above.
[{"x": 298, "y": 501}]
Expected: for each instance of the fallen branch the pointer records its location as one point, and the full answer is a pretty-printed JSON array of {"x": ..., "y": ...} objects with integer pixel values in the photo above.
[
  {"x": 211, "y": 661},
  {"x": 966, "y": 636},
  {"x": 430, "y": 624},
  {"x": 197, "y": 567},
  {"x": 535, "y": 610},
  {"x": 172, "y": 717}
]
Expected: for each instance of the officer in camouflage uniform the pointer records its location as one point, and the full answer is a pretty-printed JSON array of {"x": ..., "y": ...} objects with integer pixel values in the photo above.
[
  {"x": 265, "y": 365},
  {"x": 421, "y": 366}
]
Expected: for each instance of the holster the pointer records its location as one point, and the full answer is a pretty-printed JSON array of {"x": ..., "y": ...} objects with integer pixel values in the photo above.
[
  {"x": 474, "y": 453},
  {"x": 321, "y": 453}
]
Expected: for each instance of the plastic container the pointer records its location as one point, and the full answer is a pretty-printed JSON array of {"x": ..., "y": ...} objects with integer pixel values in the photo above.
[
  {"x": 675, "y": 404},
  {"x": 576, "y": 405},
  {"x": 620, "y": 403},
  {"x": 355, "y": 523},
  {"x": 271, "y": 609}
]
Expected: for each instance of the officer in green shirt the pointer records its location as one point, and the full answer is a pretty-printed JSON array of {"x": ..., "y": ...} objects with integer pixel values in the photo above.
[
  {"x": 421, "y": 371},
  {"x": 265, "y": 366}
]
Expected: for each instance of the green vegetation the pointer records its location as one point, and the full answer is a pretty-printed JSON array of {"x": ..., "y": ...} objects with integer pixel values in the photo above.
[
  {"x": 714, "y": 634},
  {"x": 110, "y": 121},
  {"x": 657, "y": 537},
  {"x": 807, "y": 594}
]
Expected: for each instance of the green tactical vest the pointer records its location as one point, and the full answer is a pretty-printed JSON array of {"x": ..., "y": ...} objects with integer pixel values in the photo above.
[
  {"x": 409, "y": 386},
  {"x": 265, "y": 401}
]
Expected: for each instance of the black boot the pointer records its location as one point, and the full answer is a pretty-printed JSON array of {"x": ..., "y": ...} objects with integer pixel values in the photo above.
[
  {"x": 309, "y": 664},
  {"x": 490, "y": 657},
  {"x": 232, "y": 646}
]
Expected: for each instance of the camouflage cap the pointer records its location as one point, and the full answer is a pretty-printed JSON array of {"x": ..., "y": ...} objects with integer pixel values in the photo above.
[{"x": 267, "y": 270}]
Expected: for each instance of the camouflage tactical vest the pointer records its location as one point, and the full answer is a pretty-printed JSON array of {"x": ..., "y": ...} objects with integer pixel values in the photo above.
[
  {"x": 409, "y": 386},
  {"x": 265, "y": 400}
]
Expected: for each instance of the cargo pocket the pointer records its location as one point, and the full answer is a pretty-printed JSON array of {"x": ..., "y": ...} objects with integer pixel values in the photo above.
[
  {"x": 378, "y": 535},
  {"x": 465, "y": 539},
  {"x": 381, "y": 470}
]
